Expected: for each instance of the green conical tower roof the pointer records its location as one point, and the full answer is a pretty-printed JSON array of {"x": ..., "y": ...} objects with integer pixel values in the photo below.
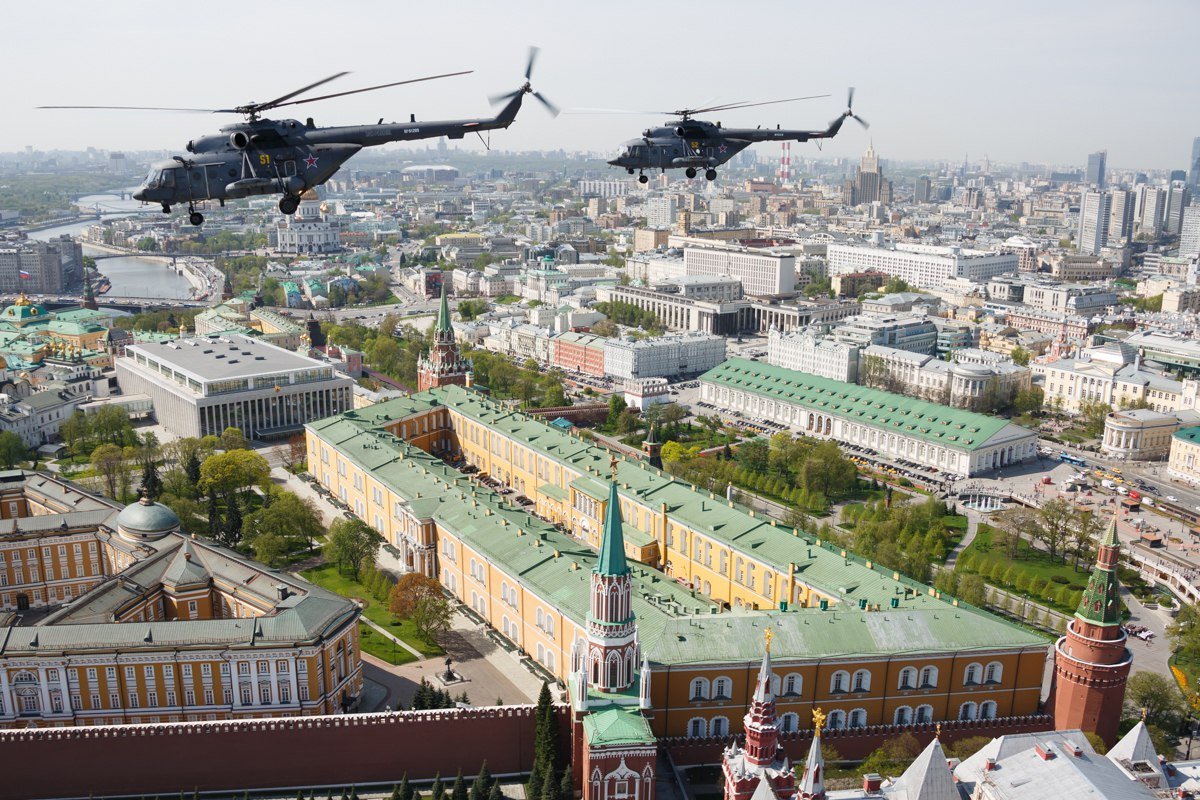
[
  {"x": 1101, "y": 602},
  {"x": 443, "y": 320},
  {"x": 612, "y": 541}
]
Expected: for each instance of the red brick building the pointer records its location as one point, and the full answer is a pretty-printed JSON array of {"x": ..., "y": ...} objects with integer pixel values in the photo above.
[
  {"x": 443, "y": 365},
  {"x": 581, "y": 352}
]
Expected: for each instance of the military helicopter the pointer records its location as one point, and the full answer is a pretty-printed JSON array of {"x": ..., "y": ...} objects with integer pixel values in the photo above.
[
  {"x": 693, "y": 144},
  {"x": 263, "y": 156}
]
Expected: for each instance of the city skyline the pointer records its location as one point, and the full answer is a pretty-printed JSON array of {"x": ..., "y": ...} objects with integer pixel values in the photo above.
[{"x": 1025, "y": 86}]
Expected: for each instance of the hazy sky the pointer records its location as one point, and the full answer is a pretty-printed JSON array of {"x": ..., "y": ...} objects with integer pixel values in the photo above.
[{"x": 1018, "y": 81}]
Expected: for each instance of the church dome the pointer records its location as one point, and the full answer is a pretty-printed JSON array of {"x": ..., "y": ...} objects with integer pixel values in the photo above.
[{"x": 146, "y": 519}]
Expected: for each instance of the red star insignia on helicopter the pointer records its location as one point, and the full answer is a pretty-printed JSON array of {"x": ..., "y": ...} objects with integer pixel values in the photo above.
[
  {"x": 721, "y": 149},
  {"x": 310, "y": 162}
]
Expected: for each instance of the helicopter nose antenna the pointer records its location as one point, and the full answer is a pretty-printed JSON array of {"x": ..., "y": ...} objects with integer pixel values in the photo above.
[{"x": 527, "y": 88}]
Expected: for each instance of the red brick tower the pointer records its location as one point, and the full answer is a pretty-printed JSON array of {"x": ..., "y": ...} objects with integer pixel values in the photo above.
[
  {"x": 1091, "y": 663},
  {"x": 761, "y": 759},
  {"x": 442, "y": 365}
]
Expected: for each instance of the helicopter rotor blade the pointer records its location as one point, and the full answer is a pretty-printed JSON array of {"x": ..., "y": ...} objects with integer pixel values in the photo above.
[
  {"x": 850, "y": 98},
  {"x": 371, "y": 88},
  {"x": 277, "y": 101},
  {"x": 139, "y": 108},
  {"x": 861, "y": 121},
  {"x": 533, "y": 54},
  {"x": 553, "y": 109},
  {"x": 729, "y": 106},
  {"x": 496, "y": 99}
]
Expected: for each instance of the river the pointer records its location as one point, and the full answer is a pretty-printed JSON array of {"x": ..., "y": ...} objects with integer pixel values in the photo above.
[{"x": 131, "y": 276}]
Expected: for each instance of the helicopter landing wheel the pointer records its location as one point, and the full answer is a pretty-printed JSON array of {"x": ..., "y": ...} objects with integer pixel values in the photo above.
[
  {"x": 166, "y": 209},
  {"x": 710, "y": 175},
  {"x": 690, "y": 172},
  {"x": 629, "y": 170},
  {"x": 289, "y": 204},
  {"x": 196, "y": 218},
  {"x": 643, "y": 178}
]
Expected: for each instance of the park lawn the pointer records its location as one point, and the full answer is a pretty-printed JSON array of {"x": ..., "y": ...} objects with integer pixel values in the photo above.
[
  {"x": 1033, "y": 563},
  {"x": 328, "y": 577},
  {"x": 371, "y": 641}
]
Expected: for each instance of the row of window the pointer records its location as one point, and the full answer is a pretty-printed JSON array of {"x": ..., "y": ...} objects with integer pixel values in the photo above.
[
  {"x": 856, "y": 718},
  {"x": 842, "y": 681}
]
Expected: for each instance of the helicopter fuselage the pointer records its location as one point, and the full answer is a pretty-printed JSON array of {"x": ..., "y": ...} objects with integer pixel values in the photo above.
[
  {"x": 285, "y": 157},
  {"x": 697, "y": 144}
]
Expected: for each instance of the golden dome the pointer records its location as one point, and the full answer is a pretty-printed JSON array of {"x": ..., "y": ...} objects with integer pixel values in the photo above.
[{"x": 309, "y": 194}]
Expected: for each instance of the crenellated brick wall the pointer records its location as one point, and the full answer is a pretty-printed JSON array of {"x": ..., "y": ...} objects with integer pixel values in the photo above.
[{"x": 266, "y": 753}]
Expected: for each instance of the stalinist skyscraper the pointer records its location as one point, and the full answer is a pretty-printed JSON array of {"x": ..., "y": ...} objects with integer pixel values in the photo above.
[{"x": 869, "y": 185}]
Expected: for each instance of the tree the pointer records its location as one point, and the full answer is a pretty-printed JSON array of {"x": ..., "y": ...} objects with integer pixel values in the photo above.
[
  {"x": 292, "y": 519},
  {"x": 894, "y": 756},
  {"x": 352, "y": 544},
  {"x": 109, "y": 461},
  {"x": 12, "y": 449},
  {"x": 270, "y": 548},
  {"x": 151, "y": 482},
  {"x": 191, "y": 468},
  {"x": 1092, "y": 414},
  {"x": 231, "y": 533},
  {"x": 971, "y": 589},
  {"x": 233, "y": 439},
  {"x": 1057, "y": 518},
  {"x": 295, "y": 453},
  {"x": 431, "y": 617},
  {"x": 411, "y": 588},
  {"x": 616, "y": 405},
  {"x": 482, "y": 784},
  {"x": 1159, "y": 696},
  {"x": 233, "y": 471},
  {"x": 965, "y": 748},
  {"x": 459, "y": 790},
  {"x": 1020, "y": 356},
  {"x": 1029, "y": 401},
  {"x": 1185, "y": 629}
]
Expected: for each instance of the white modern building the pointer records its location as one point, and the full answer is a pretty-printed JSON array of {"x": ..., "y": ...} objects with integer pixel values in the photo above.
[
  {"x": 764, "y": 271},
  {"x": 202, "y": 385},
  {"x": 920, "y": 265},
  {"x": 816, "y": 354},
  {"x": 660, "y": 212},
  {"x": 902, "y": 331},
  {"x": 663, "y": 356},
  {"x": 956, "y": 443}
]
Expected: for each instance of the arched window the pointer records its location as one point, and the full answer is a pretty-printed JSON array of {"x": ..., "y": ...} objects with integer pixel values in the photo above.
[
  {"x": 908, "y": 678},
  {"x": 924, "y": 714},
  {"x": 968, "y": 710},
  {"x": 862, "y": 681},
  {"x": 721, "y": 688},
  {"x": 697, "y": 727},
  {"x": 719, "y": 726},
  {"x": 987, "y": 709},
  {"x": 839, "y": 682},
  {"x": 993, "y": 672},
  {"x": 789, "y": 722},
  {"x": 836, "y": 720},
  {"x": 699, "y": 689},
  {"x": 858, "y": 718},
  {"x": 903, "y": 716},
  {"x": 971, "y": 676},
  {"x": 793, "y": 684},
  {"x": 929, "y": 677}
]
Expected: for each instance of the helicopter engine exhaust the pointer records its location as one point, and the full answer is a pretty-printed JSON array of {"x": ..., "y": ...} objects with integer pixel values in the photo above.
[
  {"x": 239, "y": 139},
  {"x": 680, "y": 131}
]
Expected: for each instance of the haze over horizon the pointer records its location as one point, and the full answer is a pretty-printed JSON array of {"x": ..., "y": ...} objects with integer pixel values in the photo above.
[{"x": 1036, "y": 83}]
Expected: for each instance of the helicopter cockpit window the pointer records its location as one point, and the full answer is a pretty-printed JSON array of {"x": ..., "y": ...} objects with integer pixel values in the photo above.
[
  {"x": 168, "y": 178},
  {"x": 151, "y": 179}
]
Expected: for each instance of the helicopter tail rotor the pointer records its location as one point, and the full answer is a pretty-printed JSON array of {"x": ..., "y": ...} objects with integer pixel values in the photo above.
[
  {"x": 527, "y": 88},
  {"x": 849, "y": 112}
]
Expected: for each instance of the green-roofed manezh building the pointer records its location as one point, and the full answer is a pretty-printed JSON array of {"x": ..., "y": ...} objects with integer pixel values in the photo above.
[
  {"x": 706, "y": 578},
  {"x": 955, "y": 442}
]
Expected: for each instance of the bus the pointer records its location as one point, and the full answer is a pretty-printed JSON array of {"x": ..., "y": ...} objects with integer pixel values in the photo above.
[{"x": 1067, "y": 458}]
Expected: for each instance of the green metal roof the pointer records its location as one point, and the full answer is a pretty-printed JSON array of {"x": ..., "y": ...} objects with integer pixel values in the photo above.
[
  {"x": 1188, "y": 434},
  {"x": 612, "y": 542},
  {"x": 556, "y": 567},
  {"x": 1101, "y": 601},
  {"x": 617, "y": 726},
  {"x": 908, "y": 416},
  {"x": 443, "y": 318}
]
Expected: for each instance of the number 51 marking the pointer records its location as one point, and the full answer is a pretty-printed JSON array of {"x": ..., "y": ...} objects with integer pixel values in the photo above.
[{"x": 264, "y": 159}]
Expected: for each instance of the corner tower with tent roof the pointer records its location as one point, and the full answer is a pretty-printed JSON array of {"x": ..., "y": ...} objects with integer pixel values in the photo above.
[
  {"x": 443, "y": 365},
  {"x": 759, "y": 770},
  {"x": 1091, "y": 662}
]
